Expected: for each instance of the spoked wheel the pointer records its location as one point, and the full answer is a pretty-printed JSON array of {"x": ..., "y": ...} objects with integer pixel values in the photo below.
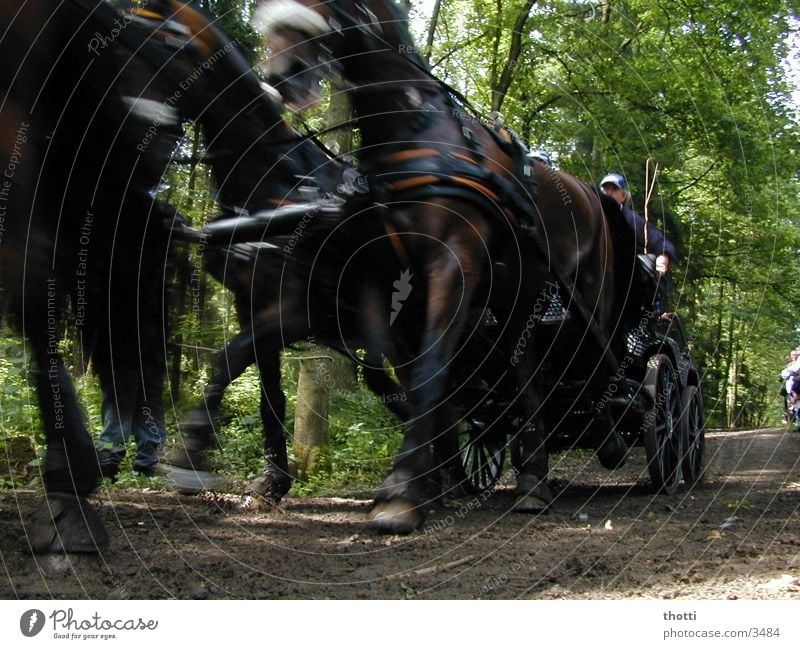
[
  {"x": 694, "y": 442},
  {"x": 482, "y": 455},
  {"x": 663, "y": 437}
]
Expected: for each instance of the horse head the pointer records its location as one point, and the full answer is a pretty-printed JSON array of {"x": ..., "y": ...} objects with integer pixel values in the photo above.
[{"x": 360, "y": 39}]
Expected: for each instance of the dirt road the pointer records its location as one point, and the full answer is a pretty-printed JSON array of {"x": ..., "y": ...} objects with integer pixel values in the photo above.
[{"x": 735, "y": 536}]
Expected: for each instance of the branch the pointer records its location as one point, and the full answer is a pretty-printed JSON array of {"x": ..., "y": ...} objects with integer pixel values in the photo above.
[
  {"x": 434, "y": 569},
  {"x": 432, "y": 30},
  {"x": 499, "y": 92},
  {"x": 458, "y": 48},
  {"x": 680, "y": 191}
]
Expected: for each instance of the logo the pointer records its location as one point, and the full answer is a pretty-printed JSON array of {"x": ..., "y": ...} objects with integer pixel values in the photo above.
[
  {"x": 31, "y": 622},
  {"x": 402, "y": 289}
]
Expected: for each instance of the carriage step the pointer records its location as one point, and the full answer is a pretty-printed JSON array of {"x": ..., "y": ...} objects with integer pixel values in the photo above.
[{"x": 556, "y": 311}]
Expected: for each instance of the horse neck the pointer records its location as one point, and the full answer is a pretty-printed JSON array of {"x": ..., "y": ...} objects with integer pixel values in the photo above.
[{"x": 392, "y": 93}]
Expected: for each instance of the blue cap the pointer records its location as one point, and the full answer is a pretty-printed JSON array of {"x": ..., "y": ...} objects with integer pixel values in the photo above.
[{"x": 618, "y": 180}]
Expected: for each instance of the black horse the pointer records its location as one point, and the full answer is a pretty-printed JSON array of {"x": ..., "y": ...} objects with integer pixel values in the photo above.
[
  {"x": 259, "y": 163},
  {"x": 459, "y": 198},
  {"x": 91, "y": 107},
  {"x": 94, "y": 104}
]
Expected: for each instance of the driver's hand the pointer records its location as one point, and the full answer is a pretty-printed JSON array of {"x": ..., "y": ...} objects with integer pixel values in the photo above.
[{"x": 662, "y": 264}]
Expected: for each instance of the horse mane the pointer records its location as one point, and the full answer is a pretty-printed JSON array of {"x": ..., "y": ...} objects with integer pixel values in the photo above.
[{"x": 400, "y": 27}]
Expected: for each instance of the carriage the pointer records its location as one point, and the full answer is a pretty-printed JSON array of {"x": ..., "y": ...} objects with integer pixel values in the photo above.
[{"x": 647, "y": 393}]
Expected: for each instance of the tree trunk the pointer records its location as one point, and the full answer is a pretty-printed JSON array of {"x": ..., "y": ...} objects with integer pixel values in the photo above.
[
  {"x": 727, "y": 384},
  {"x": 733, "y": 392},
  {"x": 343, "y": 374},
  {"x": 437, "y": 7},
  {"x": 719, "y": 379},
  {"x": 501, "y": 88},
  {"x": 311, "y": 415},
  {"x": 178, "y": 307}
]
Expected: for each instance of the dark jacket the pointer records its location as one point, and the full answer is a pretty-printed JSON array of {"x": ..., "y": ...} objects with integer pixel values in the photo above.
[{"x": 657, "y": 243}]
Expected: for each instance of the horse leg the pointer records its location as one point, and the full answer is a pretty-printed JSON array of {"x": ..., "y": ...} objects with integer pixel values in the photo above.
[
  {"x": 66, "y": 522},
  {"x": 391, "y": 393},
  {"x": 188, "y": 473},
  {"x": 199, "y": 428},
  {"x": 275, "y": 481},
  {"x": 400, "y": 502},
  {"x": 532, "y": 493}
]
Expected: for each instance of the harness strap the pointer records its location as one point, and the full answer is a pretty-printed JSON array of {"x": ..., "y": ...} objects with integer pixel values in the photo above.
[
  {"x": 397, "y": 244},
  {"x": 430, "y": 173}
]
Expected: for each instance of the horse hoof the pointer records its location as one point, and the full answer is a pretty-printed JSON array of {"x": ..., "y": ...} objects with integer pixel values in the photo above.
[
  {"x": 395, "y": 517},
  {"x": 532, "y": 496},
  {"x": 66, "y": 523},
  {"x": 613, "y": 453},
  {"x": 268, "y": 487},
  {"x": 189, "y": 482},
  {"x": 530, "y": 504}
]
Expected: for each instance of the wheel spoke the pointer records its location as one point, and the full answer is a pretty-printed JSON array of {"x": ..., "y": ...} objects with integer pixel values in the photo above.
[{"x": 482, "y": 458}]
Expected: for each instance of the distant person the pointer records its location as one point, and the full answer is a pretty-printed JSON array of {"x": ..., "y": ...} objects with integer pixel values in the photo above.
[
  {"x": 791, "y": 378},
  {"x": 128, "y": 320},
  {"x": 784, "y": 393}
]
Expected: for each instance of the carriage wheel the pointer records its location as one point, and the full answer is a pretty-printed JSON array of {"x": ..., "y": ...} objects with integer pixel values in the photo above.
[
  {"x": 663, "y": 438},
  {"x": 694, "y": 444},
  {"x": 482, "y": 456}
]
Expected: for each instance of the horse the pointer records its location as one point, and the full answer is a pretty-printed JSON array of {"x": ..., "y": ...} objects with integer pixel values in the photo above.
[
  {"x": 258, "y": 163},
  {"x": 93, "y": 106},
  {"x": 457, "y": 197},
  {"x": 79, "y": 215}
]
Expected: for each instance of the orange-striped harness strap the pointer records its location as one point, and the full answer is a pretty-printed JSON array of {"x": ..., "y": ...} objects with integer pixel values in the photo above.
[
  {"x": 430, "y": 173},
  {"x": 397, "y": 244}
]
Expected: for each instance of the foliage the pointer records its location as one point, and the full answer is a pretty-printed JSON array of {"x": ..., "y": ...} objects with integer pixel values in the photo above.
[{"x": 364, "y": 436}]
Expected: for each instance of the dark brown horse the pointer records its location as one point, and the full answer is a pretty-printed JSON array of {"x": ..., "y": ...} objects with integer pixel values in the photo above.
[
  {"x": 76, "y": 106},
  {"x": 259, "y": 163},
  {"x": 93, "y": 106},
  {"x": 457, "y": 199}
]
